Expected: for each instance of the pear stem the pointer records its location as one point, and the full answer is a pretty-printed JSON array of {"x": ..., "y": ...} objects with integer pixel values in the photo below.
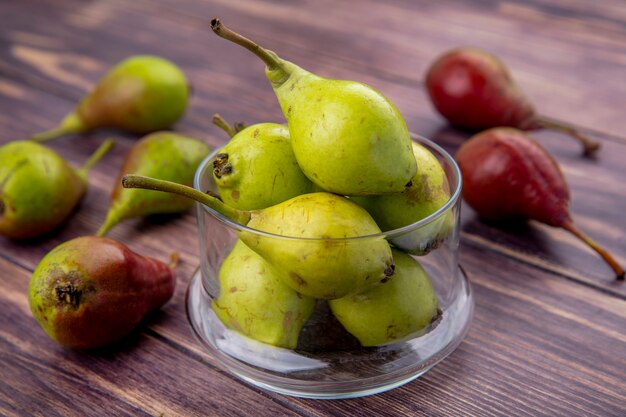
[
  {"x": 619, "y": 271},
  {"x": 108, "y": 224},
  {"x": 139, "y": 181},
  {"x": 50, "y": 134},
  {"x": 223, "y": 124},
  {"x": 220, "y": 30},
  {"x": 106, "y": 146},
  {"x": 589, "y": 146}
]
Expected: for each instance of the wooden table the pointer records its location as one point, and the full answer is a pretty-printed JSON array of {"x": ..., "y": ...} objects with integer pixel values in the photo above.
[{"x": 549, "y": 332}]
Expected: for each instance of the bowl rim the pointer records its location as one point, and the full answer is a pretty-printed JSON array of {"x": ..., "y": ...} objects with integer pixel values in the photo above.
[{"x": 454, "y": 198}]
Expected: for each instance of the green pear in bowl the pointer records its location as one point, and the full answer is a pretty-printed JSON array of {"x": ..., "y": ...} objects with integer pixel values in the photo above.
[
  {"x": 38, "y": 189},
  {"x": 404, "y": 305},
  {"x": 165, "y": 155},
  {"x": 254, "y": 301},
  {"x": 347, "y": 137},
  {"x": 257, "y": 168},
  {"x": 318, "y": 259},
  {"x": 428, "y": 192},
  {"x": 141, "y": 94}
]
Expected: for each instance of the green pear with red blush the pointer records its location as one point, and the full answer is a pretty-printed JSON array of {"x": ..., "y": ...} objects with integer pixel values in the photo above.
[
  {"x": 91, "y": 291},
  {"x": 140, "y": 95}
]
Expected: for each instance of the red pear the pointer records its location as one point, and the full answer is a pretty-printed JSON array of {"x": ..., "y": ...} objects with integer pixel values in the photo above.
[
  {"x": 92, "y": 291},
  {"x": 473, "y": 90},
  {"x": 507, "y": 175}
]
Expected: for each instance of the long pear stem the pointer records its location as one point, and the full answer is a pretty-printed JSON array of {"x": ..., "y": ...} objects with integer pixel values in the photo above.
[
  {"x": 139, "y": 181},
  {"x": 619, "y": 271},
  {"x": 219, "y": 29},
  {"x": 111, "y": 220},
  {"x": 95, "y": 157},
  {"x": 50, "y": 134},
  {"x": 223, "y": 124},
  {"x": 589, "y": 146}
]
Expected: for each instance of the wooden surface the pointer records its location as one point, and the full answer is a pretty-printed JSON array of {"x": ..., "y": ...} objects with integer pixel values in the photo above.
[{"x": 549, "y": 332}]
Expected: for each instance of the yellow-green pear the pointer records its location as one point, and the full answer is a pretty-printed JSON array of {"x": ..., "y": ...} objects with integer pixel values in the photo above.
[
  {"x": 318, "y": 260},
  {"x": 405, "y": 304},
  {"x": 254, "y": 301},
  {"x": 429, "y": 191},
  {"x": 347, "y": 137},
  {"x": 257, "y": 168}
]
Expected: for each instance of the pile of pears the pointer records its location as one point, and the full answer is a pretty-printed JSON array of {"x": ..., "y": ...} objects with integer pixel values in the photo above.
[
  {"x": 323, "y": 189},
  {"x": 92, "y": 291}
]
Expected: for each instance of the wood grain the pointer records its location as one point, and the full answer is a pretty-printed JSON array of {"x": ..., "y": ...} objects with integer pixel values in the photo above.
[{"x": 548, "y": 334}]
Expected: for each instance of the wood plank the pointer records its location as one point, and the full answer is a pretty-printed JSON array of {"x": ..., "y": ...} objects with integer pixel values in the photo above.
[
  {"x": 144, "y": 375},
  {"x": 397, "y": 53}
]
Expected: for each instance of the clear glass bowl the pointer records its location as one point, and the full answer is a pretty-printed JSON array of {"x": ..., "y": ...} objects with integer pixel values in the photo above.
[{"x": 328, "y": 362}]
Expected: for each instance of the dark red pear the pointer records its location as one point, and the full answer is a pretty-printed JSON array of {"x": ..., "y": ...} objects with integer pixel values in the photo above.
[
  {"x": 473, "y": 90},
  {"x": 508, "y": 175},
  {"x": 92, "y": 291}
]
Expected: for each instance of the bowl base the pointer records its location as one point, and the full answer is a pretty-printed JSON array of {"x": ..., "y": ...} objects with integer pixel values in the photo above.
[{"x": 329, "y": 374}]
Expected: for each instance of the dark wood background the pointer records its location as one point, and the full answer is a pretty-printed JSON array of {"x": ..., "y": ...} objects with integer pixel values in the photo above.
[{"x": 549, "y": 332}]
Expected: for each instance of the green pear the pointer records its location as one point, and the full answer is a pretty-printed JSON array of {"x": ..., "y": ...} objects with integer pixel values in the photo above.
[
  {"x": 164, "y": 155},
  {"x": 38, "y": 189},
  {"x": 254, "y": 301},
  {"x": 318, "y": 260},
  {"x": 406, "y": 304},
  {"x": 428, "y": 192},
  {"x": 257, "y": 168},
  {"x": 141, "y": 94},
  {"x": 347, "y": 137}
]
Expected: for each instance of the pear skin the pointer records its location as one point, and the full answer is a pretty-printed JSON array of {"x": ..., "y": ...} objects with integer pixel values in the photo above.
[
  {"x": 141, "y": 94},
  {"x": 38, "y": 189},
  {"x": 92, "y": 291},
  {"x": 311, "y": 265},
  {"x": 164, "y": 155},
  {"x": 405, "y": 304},
  {"x": 255, "y": 302},
  {"x": 347, "y": 137},
  {"x": 257, "y": 168},
  {"x": 428, "y": 192}
]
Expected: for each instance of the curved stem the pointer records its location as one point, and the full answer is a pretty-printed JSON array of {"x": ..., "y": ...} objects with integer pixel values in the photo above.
[
  {"x": 50, "y": 134},
  {"x": 226, "y": 33},
  {"x": 139, "y": 181},
  {"x": 106, "y": 146},
  {"x": 619, "y": 271},
  {"x": 223, "y": 124},
  {"x": 110, "y": 221},
  {"x": 589, "y": 146}
]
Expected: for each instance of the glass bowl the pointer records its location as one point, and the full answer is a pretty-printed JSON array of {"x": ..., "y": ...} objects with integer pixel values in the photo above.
[{"x": 328, "y": 362}]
